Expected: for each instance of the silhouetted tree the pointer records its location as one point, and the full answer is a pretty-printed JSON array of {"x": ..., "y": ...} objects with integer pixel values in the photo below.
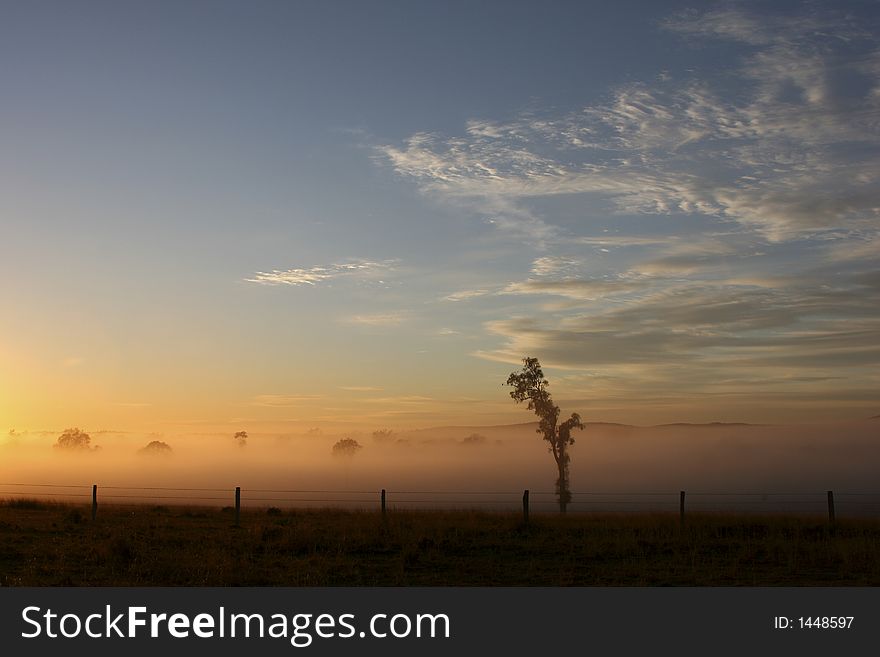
[
  {"x": 74, "y": 440},
  {"x": 383, "y": 435},
  {"x": 346, "y": 447},
  {"x": 530, "y": 385},
  {"x": 240, "y": 438},
  {"x": 156, "y": 447}
]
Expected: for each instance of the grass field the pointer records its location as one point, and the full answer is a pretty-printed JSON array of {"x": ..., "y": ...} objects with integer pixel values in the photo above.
[{"x": 47, "y": 544}]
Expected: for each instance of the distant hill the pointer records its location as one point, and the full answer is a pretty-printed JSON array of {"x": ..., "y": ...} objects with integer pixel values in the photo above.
[
  {"x": 476, "y": 427},
  {"x": 709, "y": 424},
  {"x": 521, "y": 426}
]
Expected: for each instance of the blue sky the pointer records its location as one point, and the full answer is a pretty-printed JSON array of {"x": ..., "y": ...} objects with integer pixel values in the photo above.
[{"x": 303, "y": 213}]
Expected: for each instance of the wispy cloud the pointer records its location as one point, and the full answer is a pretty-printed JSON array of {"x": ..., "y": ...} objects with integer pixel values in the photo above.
[
  {"x": 620, "y": 241},
  {"x": 360, "y": 388},
  {"x": 766, "y": 157},
  {"x": 819, "y": 322},
  {"x": 360, "y": 269},
  {"x": 464, "y": 295},
  {"x": 757, "y": 175},
  {"x": 401, "y": 399},
  {"x": 283, "y": 400},
  {"x": 554, "y": 265},
  {"x": 573, "y": 288},
  {"x": 736, "y": 24},
  {"x": 378, "y": 319}
]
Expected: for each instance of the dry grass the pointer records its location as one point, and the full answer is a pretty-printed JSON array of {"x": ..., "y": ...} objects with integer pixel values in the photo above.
[{"x": 46, "y": 544}]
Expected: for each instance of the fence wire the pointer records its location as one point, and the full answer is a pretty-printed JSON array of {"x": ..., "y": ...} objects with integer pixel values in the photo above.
[{"x": 854, "y": 503}]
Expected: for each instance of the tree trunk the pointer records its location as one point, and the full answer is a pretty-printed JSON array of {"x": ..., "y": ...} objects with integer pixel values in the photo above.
[{"x": 562, "y": 486}]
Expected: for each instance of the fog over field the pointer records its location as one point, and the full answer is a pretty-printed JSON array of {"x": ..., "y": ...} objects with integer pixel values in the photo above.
[{"x": 415, "y": 466}]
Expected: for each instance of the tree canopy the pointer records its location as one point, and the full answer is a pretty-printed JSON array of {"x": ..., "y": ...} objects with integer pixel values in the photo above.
[
  {"x": 156, "y": 447},
  {"x": 346, "y": 447},
  {"x": 74, "y": 440},
  {"x": 474, "y": 439},
  {"x": 383, "y": 436}
]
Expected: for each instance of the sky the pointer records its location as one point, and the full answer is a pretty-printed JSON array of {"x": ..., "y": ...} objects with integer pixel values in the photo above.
[{"x": 280, "y": 215}]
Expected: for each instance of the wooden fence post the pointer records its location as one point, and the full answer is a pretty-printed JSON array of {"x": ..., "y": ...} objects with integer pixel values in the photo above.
[
  {"x": 238, "y": 506},
  {"x": 526, "y": 506},
  {"x": 831, "y": 506},
  {"x": 94, "y": 501},
  {"x": 681, "y": 507},
  {"x": 383, "y": 503}
]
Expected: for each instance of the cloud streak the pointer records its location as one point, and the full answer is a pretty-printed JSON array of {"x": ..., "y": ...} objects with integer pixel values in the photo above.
[
  {"x": 283, "y": 400},
  {"x": 377, "y": 319},
  {"x": 817, "y": 323},
  {"x": 465, "y": 295},
  {"x": 355, "y": 269},
  {"x": 573, "y": 288}
]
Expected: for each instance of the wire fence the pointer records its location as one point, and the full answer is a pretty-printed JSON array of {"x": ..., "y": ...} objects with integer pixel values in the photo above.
[{"x": 833, "y": 503}]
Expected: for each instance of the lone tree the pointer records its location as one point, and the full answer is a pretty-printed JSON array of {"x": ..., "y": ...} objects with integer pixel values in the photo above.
[
  {"x": 530, "y": 385},
  {"x": 74, "y": 440},
  {"x": 156, "y": 448},
  {"x": 240, "y": 438},
  {"x": 383, "y": 436},
  {"x": 474, "y": 439},
  {"x": 346, "y": 447}
]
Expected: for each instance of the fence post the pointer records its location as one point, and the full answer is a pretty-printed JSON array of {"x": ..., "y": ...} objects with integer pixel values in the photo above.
[
  {"x": 681, "y": 507},
  {"x": 94, "y": 501},
  {"x": 526, "y": 506},
  {"x": 383, "y": 503},
  {"x": 831, "y": 506},
  {"x": 238, "y": 506}
]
